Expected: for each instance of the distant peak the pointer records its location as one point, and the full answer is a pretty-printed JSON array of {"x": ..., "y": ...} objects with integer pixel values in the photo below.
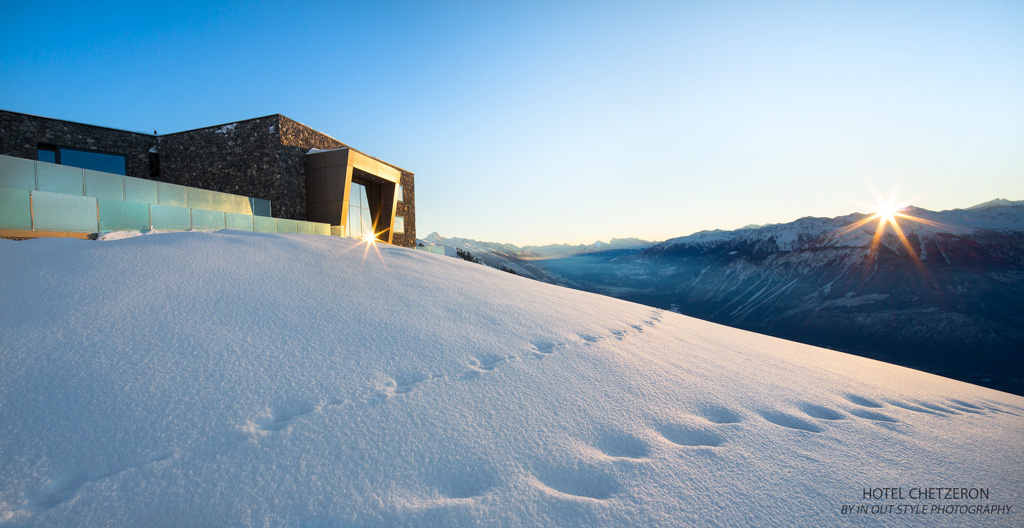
[{"x": 998, "y": 202}]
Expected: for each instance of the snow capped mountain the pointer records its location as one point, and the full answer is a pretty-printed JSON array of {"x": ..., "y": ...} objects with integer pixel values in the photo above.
[
  {"x": 951, "y": 291},
  {"x": 241, "y": 379},
  {"x": 505, "y": 257},
  {"x": 998, "y": 202},
  {"x": 508, "y": 257},
  {"x": 548, "y": 251}
]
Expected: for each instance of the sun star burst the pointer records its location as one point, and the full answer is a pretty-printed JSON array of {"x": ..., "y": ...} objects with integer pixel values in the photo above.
[{"x": 890, "y": 213}]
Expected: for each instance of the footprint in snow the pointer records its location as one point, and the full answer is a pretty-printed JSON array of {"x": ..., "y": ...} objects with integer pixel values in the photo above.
[
  {"x": 873, "y": 415},
  {"x": 620, "y": 445},
  {"x": 912, "y": 407},
  {"x": 404, "y": 385},
  {"x": 59, "y": 490},
  {"x": 690, "y": 436},
  {"x": 284, "y": 415},
  {"x": 938, "y": 408},
  {"x": 576, "y": 483},
  {"x": 720, "y": 415},
  {"x": 479, "y": 367},
  {"x": 863, "y": 402},
  {"x": 995, "y": 408},
  {"x": 789, "y": 421},
  {"x": 966, "y": 407},
  {"x": 546, "y": 347},
  {"x": 820, "y": 412}
]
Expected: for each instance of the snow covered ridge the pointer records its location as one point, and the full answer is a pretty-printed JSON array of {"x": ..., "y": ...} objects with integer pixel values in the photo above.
[
  {"x": 244, "y": 379},
  {"x": 1000, "y": 216}
]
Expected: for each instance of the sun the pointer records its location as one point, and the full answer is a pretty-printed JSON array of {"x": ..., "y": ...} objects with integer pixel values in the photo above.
[{"x": 887, "y": 212}]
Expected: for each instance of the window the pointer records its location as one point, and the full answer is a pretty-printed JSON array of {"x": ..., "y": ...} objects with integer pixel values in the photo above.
[
  {"x": 399, "y": 225},
  {"x": 360, "y": 223},
  {"x": 47, "y": 153},
  {"x": 401, "y": 193},
  {"x": 92, "y": 160},
  {"x": 83, "y": 159}
]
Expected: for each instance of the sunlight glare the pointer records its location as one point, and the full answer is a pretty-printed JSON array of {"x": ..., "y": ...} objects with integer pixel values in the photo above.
[{"x": 887, "y": 211}]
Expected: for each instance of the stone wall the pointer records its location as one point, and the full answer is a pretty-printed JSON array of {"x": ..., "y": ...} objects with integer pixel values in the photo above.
[
  {"x": 407, "y": 209},
  {"x": 296, "y": 134},
  {"x": 20, "y": 135},
  {"x": 239, "y": 158}
]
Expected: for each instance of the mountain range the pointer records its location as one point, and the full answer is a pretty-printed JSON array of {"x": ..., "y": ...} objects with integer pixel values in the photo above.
[{"x": 946, "y": 300}]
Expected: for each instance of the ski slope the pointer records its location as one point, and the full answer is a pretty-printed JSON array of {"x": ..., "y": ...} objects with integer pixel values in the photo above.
[{"x": 240, "y": 379}]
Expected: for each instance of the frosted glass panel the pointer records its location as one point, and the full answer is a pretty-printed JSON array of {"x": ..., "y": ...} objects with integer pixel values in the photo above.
[
  {"x": 207, "y": 220},
  {"x": 17, "y": 173},
  {"x": 139, "y": 190},
  {"x": 58, "y": 179},
  {"x": 63, "y": 212},
  {"x": 264, "y": 224},
  {"x": 173, "y": 195},
  {"x": 104, "y": 185},
  {"x": 168, "y": 217},
  {"x": 260, "y": 207},
  {"x": 286, "y": 226},
  {"x": 242, "y": 205},
  {"x": 117, "y": 215},
  {"x": 223, "y": 202},
  {"x": 15, "y": 209},
  {"x": 200, "y": 198},
  {"x": 238, "y": 222}
]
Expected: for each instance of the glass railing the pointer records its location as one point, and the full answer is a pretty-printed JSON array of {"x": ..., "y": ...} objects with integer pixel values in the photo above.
[{"x": 41, "y": 196}]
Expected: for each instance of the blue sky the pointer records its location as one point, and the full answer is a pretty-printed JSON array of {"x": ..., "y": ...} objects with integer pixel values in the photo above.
[{"x": 571, "y": 121}]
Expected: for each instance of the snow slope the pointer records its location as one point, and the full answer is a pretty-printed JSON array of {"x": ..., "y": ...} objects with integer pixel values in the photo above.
[{"x": 240, "y": 379}]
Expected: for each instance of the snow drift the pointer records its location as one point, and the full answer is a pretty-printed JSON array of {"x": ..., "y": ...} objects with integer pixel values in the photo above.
[{"x": 239, "y": 379}]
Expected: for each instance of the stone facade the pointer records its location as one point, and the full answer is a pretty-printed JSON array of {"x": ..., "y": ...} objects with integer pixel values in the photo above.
[
  {"x": 238, "y": 158},
  {"x": 261, "y": 157},
  {"x": 407, "y": 210},
  {"x": 21, "y": 134}
]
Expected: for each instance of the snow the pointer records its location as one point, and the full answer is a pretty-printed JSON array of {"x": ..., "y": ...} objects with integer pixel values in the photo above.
[
  {"x": 246, "y": 379},
  {"x": 998, "y": 202},
  {"x": 316, "y": 150},
  {"x": 226, "y": 129}
]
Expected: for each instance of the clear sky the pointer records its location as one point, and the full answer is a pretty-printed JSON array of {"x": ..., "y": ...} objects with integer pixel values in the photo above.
[{"x": 542, "y": 122}]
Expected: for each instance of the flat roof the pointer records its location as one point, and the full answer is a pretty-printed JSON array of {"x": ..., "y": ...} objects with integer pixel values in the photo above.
[{"x": 205, "y": 127}]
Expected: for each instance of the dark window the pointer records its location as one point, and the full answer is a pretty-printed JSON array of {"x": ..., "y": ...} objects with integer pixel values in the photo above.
[
  {"x": 47, "y": 153},
  {"x": 154, "y": 165},
  {"x": 83, "y": 159},
  {"x": 96, "y": 161}
]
